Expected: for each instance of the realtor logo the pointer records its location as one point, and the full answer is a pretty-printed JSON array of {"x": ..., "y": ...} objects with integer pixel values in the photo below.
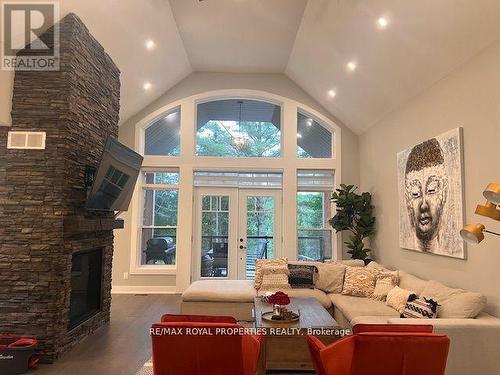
[{"x": 25, "y": 43}]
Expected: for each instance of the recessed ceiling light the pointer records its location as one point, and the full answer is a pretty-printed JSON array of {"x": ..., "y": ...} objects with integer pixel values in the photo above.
[
  {"x": 299, "y": 135},
  {"x": 150, "y": 44},
  {"x": 332, "y": 93},
  {"x": 147, "y": 86},
  {"x": 351, "y": 66},
  {"x": 382, "y": 22}
]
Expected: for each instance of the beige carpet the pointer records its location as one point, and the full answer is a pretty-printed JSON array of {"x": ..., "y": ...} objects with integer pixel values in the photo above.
[{"x": 147, "y": 369}]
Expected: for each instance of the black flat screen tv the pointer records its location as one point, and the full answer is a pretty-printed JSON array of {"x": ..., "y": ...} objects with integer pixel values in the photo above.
[{"x": 115, "y": 179}]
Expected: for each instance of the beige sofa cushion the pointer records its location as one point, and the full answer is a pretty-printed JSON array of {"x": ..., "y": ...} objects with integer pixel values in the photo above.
[
  {"x": 353, "y": 307},
  {"x": 370, "y": 320},
  {"x": 320, "y": 296},
  {"x": 359, "y": 281},
  {"x": 454, "y": 303},
  {"x": 411, "y": 282},
  {"x": 377, "y": 266},
  {"x": 330, "y": 277},
  {"x": 348, "y": 262},
  {"x": 220, "y": 291}
]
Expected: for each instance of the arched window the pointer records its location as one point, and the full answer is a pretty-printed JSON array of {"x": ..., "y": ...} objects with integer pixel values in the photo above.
[
  {"x": 313, "y": 139},
  {"x": 162, "y": 136},
  {"x": 238, "y": 128}
]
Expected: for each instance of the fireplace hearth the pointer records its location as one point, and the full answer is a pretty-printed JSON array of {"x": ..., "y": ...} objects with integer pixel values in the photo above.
[
  {"x": 55, "y": 256},
  {"x": 86, "y": 284}
]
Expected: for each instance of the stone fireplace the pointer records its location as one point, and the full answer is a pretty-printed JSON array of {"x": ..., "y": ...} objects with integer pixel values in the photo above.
[{"x": 56, "y": 257}]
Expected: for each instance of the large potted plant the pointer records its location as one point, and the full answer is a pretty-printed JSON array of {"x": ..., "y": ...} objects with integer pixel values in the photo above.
[{"x": 354, "y": 214}]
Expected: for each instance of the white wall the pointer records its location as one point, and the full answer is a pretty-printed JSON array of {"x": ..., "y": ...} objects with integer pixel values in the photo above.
[
  {"x": 470, "y": 98},
  {"x": 6, "y": 82},
  {"x": 197, "y": 83}
]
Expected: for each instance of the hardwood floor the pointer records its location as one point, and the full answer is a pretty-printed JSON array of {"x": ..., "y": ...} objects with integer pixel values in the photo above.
[{"x": 122, "y": 347}]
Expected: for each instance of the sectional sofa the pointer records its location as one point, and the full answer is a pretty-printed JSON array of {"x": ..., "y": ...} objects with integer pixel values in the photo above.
[{"x": 475, "y": 342}]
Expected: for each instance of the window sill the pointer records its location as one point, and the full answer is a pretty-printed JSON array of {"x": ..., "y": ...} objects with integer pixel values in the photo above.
[{"x": 153, "y": 270}]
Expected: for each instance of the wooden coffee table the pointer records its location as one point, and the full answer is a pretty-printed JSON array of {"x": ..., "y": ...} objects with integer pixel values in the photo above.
[{"x": 285, "y": 344}]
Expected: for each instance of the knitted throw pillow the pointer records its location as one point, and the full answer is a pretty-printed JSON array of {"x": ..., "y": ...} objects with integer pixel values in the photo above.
[
  {"x": 385, "y": 282},
  {"x": 259, "y": 263},
  {"x": 397, "y": 298},
  {"x": 301, "y": 276},
  {"x": 359, "y": 281},
  {"x": 274, "y": 278},
  {"x": 420, "y": 308}
]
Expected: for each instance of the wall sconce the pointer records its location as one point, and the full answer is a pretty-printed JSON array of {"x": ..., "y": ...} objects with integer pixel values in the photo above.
[
  {"x": 474, "y": 233},
  {"x": 492, "y": 193}
]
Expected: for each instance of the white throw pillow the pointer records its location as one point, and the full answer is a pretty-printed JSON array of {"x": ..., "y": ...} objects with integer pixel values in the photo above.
[
  {"x": 397, "y": 298},
  {"x": 330, "y": 277},
  {"x": 454, "y": 303}
]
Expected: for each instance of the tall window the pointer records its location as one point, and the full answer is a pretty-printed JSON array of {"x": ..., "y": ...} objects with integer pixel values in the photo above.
[
  {"x": 314, "y": 235},
  {"x": 238, "y": 128},
  {"x": 162, "y": 136},
  {"x": 159, "y": 222},
  {"x": 313, "y": 139}
]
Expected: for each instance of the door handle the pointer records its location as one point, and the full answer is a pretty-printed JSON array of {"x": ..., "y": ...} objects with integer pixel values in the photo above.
[{"x": 241, "y": 244}]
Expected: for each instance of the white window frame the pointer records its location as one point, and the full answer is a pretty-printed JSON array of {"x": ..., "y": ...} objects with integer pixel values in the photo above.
[
  {"x": 151, "y": 122},
  {"x": 187, "y": 162},
  {"x": 148, "y": 268},
  {"x": 321, "y": 123},
  {"x": 313, "y": 189}
]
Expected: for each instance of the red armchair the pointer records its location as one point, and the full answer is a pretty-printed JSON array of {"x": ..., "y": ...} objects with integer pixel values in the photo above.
[
  {"x": 392, "y": 350},
  {"x": 410, "y": 328},
  {"x": 200, "y": 349}
]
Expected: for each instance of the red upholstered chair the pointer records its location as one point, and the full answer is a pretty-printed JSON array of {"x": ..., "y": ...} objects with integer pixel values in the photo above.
[
  {"x": 415, "y": 328},
  {"x": 382, "y": 353},
  {"x": 197, "y": 318},
  {"x": 200, "y": 348}
]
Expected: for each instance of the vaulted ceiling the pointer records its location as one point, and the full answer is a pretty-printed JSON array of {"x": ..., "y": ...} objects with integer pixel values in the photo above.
[{"x": 311, "y": 41}]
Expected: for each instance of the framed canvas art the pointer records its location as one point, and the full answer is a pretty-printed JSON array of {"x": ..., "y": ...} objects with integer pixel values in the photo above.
[{"x": 430, "y": 179}]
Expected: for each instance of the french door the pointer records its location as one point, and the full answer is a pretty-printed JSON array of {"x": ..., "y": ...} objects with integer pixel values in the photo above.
[{"x": 233, "y": 228}]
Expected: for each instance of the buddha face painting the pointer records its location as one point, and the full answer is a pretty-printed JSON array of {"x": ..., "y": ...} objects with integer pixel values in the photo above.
[
  {"x": 431, "y": 196},
  {"x": 426, "y": 191}
]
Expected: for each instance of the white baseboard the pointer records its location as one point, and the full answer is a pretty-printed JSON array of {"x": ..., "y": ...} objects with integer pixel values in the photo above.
[{"x": 156, "y": 289}]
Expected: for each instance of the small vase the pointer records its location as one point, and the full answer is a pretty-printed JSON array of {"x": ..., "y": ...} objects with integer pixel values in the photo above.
[{"x": 278, "y": 310}]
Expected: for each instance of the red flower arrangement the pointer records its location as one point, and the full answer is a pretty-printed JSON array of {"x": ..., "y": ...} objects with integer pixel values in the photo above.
[{"x": 279, "y": 298}]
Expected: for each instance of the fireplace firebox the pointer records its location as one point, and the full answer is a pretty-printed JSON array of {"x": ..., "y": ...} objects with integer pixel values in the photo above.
[{"x": 86, "y": 284}]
